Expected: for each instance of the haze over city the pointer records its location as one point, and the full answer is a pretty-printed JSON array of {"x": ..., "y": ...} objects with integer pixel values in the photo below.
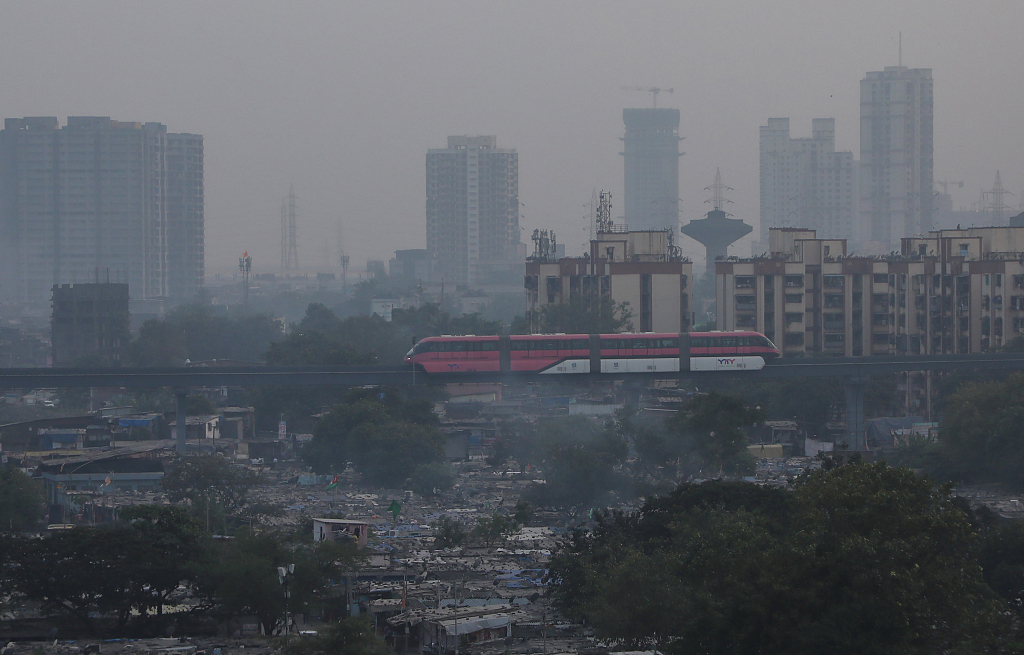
[{"x": 343, "y": 100}]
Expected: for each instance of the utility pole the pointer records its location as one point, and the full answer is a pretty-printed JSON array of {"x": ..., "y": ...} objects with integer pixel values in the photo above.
[{"x": 284, "y": 575}]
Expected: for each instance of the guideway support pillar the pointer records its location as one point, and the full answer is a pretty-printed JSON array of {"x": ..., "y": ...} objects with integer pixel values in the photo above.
[
  {"x": 855, "y": 424},
  {"x": 180, "y": 420}
]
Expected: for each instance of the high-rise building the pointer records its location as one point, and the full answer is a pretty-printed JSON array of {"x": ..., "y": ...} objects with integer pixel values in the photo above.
[
  {"x": 805, "y": 183},
  {"x": 896, "y": 149},
  {"x": 651, "y": 154},
  {"x": 99, "y": 200},
  {"x": 473, "y": 210}
]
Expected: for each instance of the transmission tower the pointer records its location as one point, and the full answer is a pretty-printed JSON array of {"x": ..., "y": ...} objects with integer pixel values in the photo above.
[
  {"x": 289, "y": 249},
  {"x": 993, "y": 200}
]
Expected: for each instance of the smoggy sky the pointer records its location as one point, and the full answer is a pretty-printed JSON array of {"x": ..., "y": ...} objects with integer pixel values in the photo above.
[{"x": 342, "y": 99}]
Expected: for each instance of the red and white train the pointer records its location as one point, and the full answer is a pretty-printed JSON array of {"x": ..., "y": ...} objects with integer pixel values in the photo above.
[{"x": 646, "y": 352}]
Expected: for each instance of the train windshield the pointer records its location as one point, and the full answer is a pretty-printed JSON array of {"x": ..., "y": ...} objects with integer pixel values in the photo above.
[{"x": 419, "y": 348}]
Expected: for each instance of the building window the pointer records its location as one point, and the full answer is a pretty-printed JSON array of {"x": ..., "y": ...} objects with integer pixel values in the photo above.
[
  {"x": 794, "y": 281},
  {"x": 794, "y": 317},
  {"x": 744, "y": 281},
  {"x": 794, "y": 297},
  {"x": 833, "y": 281},
  {"x": 834, "y": 340},
  {"x": 880, "y": 278},
  {"x": 793, "y": 339},
  {"x": 746, "y": 302}
]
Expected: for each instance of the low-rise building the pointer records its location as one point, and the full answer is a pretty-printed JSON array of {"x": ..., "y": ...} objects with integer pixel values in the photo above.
[{"x": 642, "y": 268}]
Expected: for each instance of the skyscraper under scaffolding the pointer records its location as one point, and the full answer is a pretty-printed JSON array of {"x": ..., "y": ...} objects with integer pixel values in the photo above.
[
  {"x": 473, "y": 210},
  {"x": 651, "y": 152}
]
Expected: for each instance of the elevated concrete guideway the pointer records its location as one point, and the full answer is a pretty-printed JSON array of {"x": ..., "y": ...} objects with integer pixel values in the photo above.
[{"x": 855, "y": 371}]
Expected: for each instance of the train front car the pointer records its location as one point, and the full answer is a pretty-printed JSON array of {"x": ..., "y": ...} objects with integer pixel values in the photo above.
[
  {"x": 730, "y": 351},
  {"x": 462, "y": 354}
]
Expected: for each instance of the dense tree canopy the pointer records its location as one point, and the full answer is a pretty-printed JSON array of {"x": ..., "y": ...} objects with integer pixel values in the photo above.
[
  {"x": 21, "y": 500},
  {"x": 197, "y": 332},
  {"x": 213, "y": 488},
  {"x": 385, "y": 436},
  {"x": 581, "y": 315},
  {"x": 861, "y": 558}
]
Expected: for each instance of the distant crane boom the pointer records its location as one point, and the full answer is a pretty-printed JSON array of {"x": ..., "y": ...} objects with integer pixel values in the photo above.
[{"x": 653, "y": 90}]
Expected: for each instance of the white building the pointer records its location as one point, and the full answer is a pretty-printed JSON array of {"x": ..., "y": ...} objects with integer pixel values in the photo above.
[
  {"x": 896, "y": 150},
  {"x": 473, "y": 210},
  {"x": 805, "y": 182}
]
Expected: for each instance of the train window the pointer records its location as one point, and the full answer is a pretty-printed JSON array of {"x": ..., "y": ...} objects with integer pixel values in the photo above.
[
  {"x": 457, "y": 346},
  {"x": 580, "y": 344},
  {"x": 520, "y": 344},
  {"x": 698, "y": 342},
  {"x": 488, "y": 345},
  {"x": 763, "y": 341},
  {"x": 667, "y": 343},
  {"x": 610, "y": 344},
  {"x": 726, "y": 342}
]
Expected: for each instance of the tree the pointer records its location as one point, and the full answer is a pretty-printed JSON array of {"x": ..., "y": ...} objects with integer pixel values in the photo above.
[
  {"x": 387, "y": 454},
  {"x": 860, "y": 558},
  {"x": 82, "y": 573},
  {"x": 585, "y": 315},
  {"x": 169, "y": 543},
  {"x": 579, "y": 460},
  {"x": 384, "y": 435},
  {"x": 980, "y": 432},
  {"x": 714, "y": 424},
  {"x": 432, "y": 479},
  {"x": 490, "y": 529},
  {"x": 240, "y": 576},
  {"x": 21, "y": 500},
  {"x": 213, "y": 487},
  {"x": 351, "y": 636},
  {"x": 449, "y": 532}
]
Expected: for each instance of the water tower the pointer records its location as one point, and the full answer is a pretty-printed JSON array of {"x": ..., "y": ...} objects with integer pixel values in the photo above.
[{"x": 716, "y": 231}]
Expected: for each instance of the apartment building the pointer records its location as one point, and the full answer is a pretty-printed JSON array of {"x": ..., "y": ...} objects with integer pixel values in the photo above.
[
  {"x": 954, "y": 291},
  {"x": 99, "y": 200},
  {"x": 805, "y": 182},
  {"x": 896, "y": 155},
  {"x": 472, "y": 210},
  {"x": 642, "y": 268}
]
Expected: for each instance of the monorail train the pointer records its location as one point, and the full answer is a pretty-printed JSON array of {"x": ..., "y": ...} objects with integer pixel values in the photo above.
[{"x": 646, "y": 352}]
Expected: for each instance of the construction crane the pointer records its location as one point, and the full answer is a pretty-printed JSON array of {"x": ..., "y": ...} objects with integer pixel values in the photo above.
[
  {"x": 653, "y": 90},
  {"x": 945, "y": 184}
]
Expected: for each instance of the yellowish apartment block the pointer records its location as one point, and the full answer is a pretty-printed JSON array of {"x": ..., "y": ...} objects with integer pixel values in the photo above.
[{"x": 954, "y": 291}]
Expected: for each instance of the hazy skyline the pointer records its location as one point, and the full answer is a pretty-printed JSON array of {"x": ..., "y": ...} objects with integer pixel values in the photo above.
[{"x": 344, "y": 100}]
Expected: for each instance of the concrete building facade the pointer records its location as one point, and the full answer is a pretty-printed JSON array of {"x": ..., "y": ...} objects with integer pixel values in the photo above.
[
  {"x": 651, "y": 165},
  {"x": 638, "y": 267},
  {"x": 896, "y": 155},
  {"x": 90, "y": 319},
  {"x": 473, "y": 210},
  {"x": 100, "y": 200},
  {"x": 805, "y": 182},
  {"x": 954, "y": 291}
]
